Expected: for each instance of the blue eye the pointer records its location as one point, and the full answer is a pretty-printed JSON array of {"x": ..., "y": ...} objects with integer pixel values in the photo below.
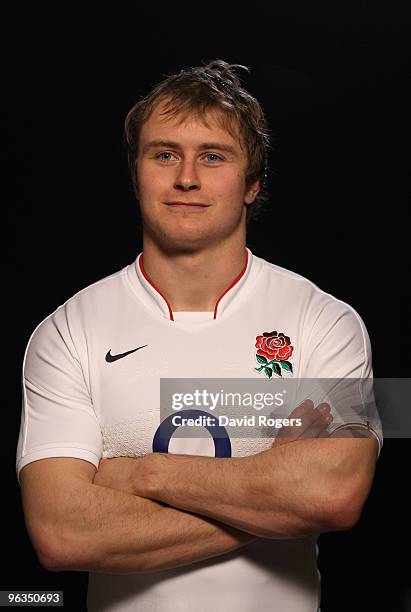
[
  {"x": 166, "y": 156},
  {"x": 164, "y": 153},
  {"x": 218, "y": 158}
]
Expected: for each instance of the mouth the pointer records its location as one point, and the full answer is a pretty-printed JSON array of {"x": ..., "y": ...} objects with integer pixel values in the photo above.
[{"x": 187, "y": 205}]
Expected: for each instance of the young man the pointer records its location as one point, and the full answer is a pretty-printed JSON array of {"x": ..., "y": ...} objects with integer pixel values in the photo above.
[{"x": 185, "y": 530}]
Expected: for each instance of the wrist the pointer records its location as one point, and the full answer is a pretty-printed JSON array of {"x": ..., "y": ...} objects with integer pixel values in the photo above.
[{"x": 151, "y": 475}]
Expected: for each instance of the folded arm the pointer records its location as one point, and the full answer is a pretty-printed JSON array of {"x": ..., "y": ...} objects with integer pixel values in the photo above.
[
  {"x": 75, "y": 524},
  {"x": 80, "y": 519},
  {"x": 311, "y": 485}
]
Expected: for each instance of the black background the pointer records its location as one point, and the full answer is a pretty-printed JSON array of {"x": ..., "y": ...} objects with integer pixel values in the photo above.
[{"x": 333, "y": 79}]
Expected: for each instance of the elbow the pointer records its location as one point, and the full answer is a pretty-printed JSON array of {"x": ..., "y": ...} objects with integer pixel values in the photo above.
[
  {"x": 65, "y": 561},
  {"x": 49, "y": 562},
  {"x": 76, "y": 556},
  {"x": 343, "y": 520},
  {"x": 51, "y": 559},
  {"x": 343, "y": 514},
  {"x": 59, "y": 552}
]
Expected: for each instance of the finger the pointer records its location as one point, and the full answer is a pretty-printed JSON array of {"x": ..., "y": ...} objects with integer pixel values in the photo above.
[
  {"x": 306, "y": 413},
  {"x": 324, "y": 408},
  {"x": 318, "y": 426},
  {"x": 312, "y": 426},
  {"x": 313, "y": 421},
  {"x": 295, "y": 431},
  {"x": 310, "y": 419},
  {"x": 304, "y": 408},
  {"x": 307, "y": 407}
]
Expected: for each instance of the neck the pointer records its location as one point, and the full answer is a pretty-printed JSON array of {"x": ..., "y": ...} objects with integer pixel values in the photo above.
[{"x": 194, "y": 280}]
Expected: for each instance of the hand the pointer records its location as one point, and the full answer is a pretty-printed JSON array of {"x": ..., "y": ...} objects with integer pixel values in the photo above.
[
  {"x": 314, "y": 423},
  {"x": 117, "y": 473},
  {"x": 135, "y": 475}
]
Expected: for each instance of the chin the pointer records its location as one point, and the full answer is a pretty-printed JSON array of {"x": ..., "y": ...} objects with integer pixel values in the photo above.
[
  {"x": 185, "y": 230},
  {"x": 188, "y": 237},
  {"x": 186, "y": 243}
]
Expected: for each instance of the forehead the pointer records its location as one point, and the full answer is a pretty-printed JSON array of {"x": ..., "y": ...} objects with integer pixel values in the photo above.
[{"x": 210, "y": 125}]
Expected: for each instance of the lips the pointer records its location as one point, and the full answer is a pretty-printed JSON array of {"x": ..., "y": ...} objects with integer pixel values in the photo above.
[{"x": 178, "y": 203}]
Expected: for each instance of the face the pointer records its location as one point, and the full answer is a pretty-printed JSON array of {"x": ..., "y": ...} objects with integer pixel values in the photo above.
[{"x": 191, "y": 181}]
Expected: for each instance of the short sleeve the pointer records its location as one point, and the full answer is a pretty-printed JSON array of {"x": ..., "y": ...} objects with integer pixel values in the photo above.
[
  {"x": 57, "y": 415},
  {"x": 338, "y": 348}
]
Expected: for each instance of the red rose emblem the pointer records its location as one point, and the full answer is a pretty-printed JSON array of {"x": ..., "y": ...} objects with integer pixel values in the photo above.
[{"x": 272, "y": 345}]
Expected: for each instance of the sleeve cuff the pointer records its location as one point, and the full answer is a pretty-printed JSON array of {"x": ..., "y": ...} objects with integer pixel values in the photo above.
[
  {"x": 361, "y": 425},
  {"x": 46, "y": 453}
]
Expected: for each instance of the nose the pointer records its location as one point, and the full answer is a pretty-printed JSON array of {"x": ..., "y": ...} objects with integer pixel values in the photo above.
[{"x": 187, "y": 178}]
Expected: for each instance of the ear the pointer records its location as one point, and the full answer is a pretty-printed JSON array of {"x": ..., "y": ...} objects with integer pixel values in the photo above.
[{"x": 252, "y": 192}]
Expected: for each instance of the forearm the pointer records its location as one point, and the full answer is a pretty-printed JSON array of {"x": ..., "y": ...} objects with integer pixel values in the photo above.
[
  {"x": 109, "y": 531},
  {"x": 280, "y": 493}
]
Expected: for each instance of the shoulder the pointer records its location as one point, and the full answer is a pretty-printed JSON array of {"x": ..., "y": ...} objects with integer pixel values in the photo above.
[
  {"x": 302, "y": 290},
  {"x": 106, "y": 288},
  {"x": 63, "y": 324},
  {"x": 321, "y": 314}
]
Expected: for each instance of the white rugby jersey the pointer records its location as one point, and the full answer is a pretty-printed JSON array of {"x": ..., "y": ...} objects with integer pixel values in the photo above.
[{"x": 91, "y": 389}]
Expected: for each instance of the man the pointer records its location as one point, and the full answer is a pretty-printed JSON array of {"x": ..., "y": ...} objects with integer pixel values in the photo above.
[{"x": 185, "y": 530}]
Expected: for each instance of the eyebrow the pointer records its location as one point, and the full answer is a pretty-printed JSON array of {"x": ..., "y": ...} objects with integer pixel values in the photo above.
[{"x": 202, "y": 147}]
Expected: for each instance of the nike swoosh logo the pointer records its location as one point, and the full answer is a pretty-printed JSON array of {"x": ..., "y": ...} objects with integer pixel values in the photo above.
[{"x": 110, "y": 358}]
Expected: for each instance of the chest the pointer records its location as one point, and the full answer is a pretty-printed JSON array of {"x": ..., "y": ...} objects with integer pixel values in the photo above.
[{"x": 133, "y": 359}]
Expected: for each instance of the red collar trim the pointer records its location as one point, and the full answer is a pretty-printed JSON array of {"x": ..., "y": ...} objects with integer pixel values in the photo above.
[
  {"x": 154, "y": 287},
  {"x": 235, "y": 281}
]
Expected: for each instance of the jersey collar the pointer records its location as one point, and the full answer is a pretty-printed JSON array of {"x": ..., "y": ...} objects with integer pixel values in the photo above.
[{"x": 153, "y": 297}]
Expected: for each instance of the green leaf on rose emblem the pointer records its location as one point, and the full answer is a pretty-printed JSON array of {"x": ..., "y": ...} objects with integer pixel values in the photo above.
[
  {"x": 287, "y": 366},
  {"x": 277, "y": 369},
  {"x": 268, "y": 372}
]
